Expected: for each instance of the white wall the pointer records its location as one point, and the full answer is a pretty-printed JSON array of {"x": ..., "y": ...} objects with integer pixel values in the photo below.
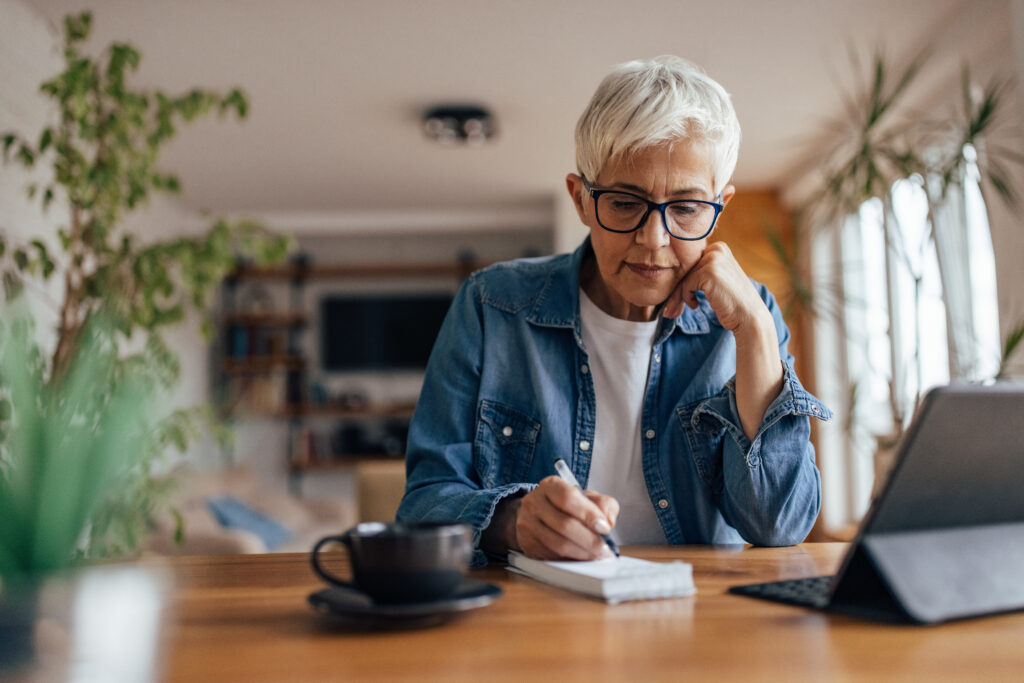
[
  {"x": 569, "y": 230},
  {"x": 28, "y": 55}
]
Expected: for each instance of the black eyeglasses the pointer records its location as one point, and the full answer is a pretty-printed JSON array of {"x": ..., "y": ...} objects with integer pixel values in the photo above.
[{"x": 684, "y": 219}]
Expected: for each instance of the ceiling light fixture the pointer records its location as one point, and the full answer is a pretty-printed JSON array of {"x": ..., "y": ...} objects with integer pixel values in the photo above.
[{"x": 452, "y": 124}]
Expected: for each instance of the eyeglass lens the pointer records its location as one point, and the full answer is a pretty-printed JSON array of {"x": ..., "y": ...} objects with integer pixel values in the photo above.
[{"x": 687, "y": 219}]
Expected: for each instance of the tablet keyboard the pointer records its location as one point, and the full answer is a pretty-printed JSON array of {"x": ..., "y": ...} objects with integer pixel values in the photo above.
[{"x": 809, "y": 592}]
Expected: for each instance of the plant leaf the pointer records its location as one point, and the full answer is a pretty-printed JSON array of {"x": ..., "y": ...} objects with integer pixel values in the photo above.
[
  {"x": 76, "y": 27},
  {"x": 9, "y": 139},
  {"x": 1013, "y": 341},
  {"x": 27, "y": 156}
]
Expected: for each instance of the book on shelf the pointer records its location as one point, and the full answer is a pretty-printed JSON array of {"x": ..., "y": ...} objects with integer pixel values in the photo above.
[
  {"x": 614, "y": 579},
  {"x": 247, "y": 341},
  {"x": 304, "y": 448},
  {"x": 258, "y": 394}
]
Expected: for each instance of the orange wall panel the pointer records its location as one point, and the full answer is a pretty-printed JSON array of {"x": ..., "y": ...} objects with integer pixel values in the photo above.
[{"x": 745, "y": 226}]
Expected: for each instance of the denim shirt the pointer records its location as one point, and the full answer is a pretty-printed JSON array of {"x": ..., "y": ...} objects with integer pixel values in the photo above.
[{"x": 507, "y": 391}]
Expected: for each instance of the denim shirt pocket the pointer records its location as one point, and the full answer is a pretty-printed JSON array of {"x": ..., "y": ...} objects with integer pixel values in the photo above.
[
  {"x": 504, "y": 444},
  {"x": 704, "y": 435}
]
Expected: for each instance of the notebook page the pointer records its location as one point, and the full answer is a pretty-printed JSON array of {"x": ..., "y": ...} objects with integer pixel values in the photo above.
[
  {"x": 612, "y": 567},
  {"x": 614, "y": 580}
]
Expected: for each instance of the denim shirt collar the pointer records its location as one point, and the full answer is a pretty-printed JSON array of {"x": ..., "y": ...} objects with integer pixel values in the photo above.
[{"x": 552, "y": 308}]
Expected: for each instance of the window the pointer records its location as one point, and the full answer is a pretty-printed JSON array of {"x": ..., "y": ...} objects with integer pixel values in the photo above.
[{"x": 907, "y": 301}]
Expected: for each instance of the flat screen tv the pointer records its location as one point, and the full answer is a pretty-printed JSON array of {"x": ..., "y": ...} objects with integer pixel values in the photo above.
[{"x": 380, "y": 332}]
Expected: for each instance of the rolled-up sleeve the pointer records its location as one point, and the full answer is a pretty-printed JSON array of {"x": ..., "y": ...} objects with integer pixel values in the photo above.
[
  {"x": 441, "y": 482},
  {"x": 772, "y": 487}
]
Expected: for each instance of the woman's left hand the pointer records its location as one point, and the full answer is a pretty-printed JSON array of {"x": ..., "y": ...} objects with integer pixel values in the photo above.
[
  {"x": 741, "y": 310},
  {"x": 726, "y": 286}
]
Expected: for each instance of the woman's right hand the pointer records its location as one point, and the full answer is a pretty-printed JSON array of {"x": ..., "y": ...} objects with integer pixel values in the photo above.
[{"x": 557, "y": 521}]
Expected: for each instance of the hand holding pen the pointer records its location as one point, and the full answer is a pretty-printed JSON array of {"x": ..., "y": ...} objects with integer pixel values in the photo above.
[
  {"x": 566, "y": 474},
  {"x": 558, "y": 521}
]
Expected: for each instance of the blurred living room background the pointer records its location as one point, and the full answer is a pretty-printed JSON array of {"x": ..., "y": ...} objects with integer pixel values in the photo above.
[{"x": 403, "y": 144}]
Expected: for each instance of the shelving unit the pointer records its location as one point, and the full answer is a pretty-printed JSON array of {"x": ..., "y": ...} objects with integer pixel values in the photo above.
[
  {"x": 259, "y": 367},
  {"x": 262, "y": 372}
]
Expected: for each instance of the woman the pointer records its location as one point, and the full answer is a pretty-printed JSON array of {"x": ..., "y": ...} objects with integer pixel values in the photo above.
[{"x": 646, "y": 359}]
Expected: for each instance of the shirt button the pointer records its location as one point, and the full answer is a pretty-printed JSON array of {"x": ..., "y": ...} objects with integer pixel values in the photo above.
[
  {"x": 657, "y": 358},
  {"x": 584, "y": 445},
  {"x": 584, "y": 369},
  {"x": 663, "y": 503},
  {"x": 649, "y": 433},
  {"x": 507, "y": 431}
]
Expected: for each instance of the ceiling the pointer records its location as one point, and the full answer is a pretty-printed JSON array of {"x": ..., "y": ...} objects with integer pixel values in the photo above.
[{"x": 337, "y": 87}]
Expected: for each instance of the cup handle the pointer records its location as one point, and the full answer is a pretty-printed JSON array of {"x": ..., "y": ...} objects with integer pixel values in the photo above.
[{"x": 344, "y": 539}]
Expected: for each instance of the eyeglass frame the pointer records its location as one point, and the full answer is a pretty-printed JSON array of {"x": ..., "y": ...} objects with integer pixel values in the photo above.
[{"x": 595, "y": 193}]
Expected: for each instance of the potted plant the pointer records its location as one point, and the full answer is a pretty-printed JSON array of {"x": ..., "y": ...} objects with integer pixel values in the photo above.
[
  {"x": 883, "y": 140},
  {"x": 69, "y": 447},
  {"x": 102, "y": 155}
]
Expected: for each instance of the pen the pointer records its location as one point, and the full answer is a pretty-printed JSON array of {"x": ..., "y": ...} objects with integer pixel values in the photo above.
[{"x": 566, "y": 474}]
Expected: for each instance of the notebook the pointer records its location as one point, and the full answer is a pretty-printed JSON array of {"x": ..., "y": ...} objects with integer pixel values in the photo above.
[
  {"x": 944, "y": 539},
  {"x": 613, "y": 579}
]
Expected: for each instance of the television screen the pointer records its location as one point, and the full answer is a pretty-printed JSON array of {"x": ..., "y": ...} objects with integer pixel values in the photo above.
[{"x": 380, "y": 331}]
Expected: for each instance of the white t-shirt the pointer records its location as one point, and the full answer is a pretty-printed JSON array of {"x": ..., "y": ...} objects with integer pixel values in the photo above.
[{"x": 620, "y": 356}]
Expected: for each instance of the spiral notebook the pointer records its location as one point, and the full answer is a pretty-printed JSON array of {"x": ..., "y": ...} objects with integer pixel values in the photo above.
[{"x": 613, "y": 579}]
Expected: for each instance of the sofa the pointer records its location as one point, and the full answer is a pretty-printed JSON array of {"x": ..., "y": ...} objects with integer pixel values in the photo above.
[{"x": 230, "y": 511}]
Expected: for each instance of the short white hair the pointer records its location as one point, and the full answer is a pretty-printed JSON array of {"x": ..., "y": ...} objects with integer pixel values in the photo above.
[{"x": 642, "y": 104}]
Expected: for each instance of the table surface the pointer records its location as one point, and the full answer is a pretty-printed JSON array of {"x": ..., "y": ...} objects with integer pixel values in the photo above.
[{"x": 246, "y": 618}]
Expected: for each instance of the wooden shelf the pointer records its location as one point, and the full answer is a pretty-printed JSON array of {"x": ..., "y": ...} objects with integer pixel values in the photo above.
[
  {"x": 328, "y": 271},
  {"x": 263, "y": 374},
  {"x": 342, "y": 463},
  {"x": 396, "y": 410},
  {"x": 275, "y": 319},
  {"x": 340, "y": 412},
  {"x": 259, "y": 364}
]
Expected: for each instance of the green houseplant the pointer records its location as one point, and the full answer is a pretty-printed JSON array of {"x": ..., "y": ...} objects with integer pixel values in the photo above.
[
  {"x": 102, "y": 157},
  {"x": 69, "y": 448},
  {"x": 884, "y": 139}
]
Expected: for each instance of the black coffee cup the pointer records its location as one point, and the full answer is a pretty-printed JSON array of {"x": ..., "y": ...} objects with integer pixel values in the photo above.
[{"x": 402, "y": 562}]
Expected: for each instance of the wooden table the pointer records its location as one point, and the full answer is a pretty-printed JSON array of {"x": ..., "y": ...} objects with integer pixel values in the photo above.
[{"x": 245, "y": 618}]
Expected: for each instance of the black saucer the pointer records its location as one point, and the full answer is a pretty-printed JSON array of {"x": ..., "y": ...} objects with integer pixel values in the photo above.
[{"x": 353, "y": 605}]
